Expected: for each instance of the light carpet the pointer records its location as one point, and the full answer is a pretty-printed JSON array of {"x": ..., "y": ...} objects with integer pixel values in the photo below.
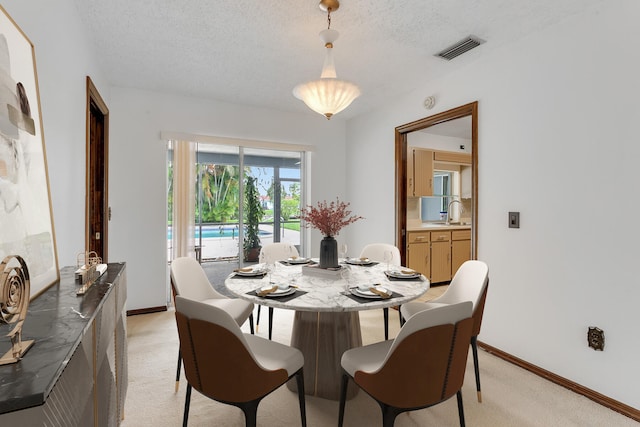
[{"x": 511, "y": 396}]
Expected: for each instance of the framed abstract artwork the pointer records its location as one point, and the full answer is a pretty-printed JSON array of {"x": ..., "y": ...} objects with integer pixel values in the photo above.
[{"x": 26, "y": 221}]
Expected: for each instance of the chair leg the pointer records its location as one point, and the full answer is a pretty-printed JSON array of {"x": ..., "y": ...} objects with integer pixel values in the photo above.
[
  {"x": 250, "y": 410},
  {"x": 187, "y": 401},
  {"x": 258, "y": 319},
  {"x": 270, "y": 321},
  {"x": 251, "y": 323},
  {"x": 460, "y": 408},
  {"x": 400, "y": 316},
  {"x": 300, "y": 383},
  {"x": 343, "y": 398},
  {"x": 474, "y": 349},
  {"x": 178, "y": 370},
  {"x": 389, "y": 414},
  {"x": 385, "y": 312}
]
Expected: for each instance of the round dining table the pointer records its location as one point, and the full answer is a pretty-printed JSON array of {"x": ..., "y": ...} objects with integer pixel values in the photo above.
[{"x": 326, "y": 304}]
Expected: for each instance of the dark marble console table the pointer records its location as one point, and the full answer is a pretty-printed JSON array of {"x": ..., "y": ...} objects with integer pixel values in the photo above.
[{"x": 76, "y": 372}]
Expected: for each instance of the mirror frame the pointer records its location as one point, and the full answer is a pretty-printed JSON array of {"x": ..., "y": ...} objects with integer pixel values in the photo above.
[{"x": 401, "y": 132}]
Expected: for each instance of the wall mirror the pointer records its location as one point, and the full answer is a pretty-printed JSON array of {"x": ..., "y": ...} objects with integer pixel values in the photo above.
[{"x": 457, "y": 124}]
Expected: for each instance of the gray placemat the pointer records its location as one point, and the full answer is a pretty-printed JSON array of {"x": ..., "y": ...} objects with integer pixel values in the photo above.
[
  {"x": 404, "y": 279},
  {"x": 283, "y": 298},
  {"x": 371, "y": 264},
  {"x": 364, "y": 300},
  {"x": 257, "y": 276},
  {"x": 299, "y": 263}
]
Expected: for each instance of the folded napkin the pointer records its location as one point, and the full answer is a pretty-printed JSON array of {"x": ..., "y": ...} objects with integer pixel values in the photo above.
[
  {"x": 265, "y": 292},
  {"x": 382, "y": 294},
  {"x": 283, "y": 298},
  {"x": 364, "y": 300}
]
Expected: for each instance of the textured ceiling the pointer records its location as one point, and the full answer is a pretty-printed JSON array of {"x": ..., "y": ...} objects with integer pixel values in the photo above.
[{"x": 253, "y": 52}]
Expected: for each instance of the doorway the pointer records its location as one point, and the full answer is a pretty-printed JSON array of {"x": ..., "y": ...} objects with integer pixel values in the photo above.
[
  {"x": 401, "y": 146},
  {"x": 97, "y": 173}
]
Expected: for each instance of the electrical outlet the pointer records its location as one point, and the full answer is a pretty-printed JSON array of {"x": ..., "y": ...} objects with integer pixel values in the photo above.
[
  {"x": 595, "y": 338},
  {"x": 514, "y": 219}
]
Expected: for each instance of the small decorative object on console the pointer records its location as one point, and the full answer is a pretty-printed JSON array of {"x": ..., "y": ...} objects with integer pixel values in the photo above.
[
  {"x": 14, "y": 301},
  {"x": 90, "y": 267}
]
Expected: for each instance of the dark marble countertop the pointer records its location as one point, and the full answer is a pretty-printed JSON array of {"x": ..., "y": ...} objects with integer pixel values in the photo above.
[{"x": 57, "y": 320}]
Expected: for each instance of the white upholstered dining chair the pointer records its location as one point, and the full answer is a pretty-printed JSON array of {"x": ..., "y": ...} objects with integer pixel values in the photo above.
[
  {"x": 377, "y": 252},
  {"x": 470, "y": 283},
  {"x": 189, "y": 280}
]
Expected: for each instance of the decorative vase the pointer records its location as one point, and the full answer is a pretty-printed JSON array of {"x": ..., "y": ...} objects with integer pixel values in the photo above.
[{"x": 328, "y": 252}]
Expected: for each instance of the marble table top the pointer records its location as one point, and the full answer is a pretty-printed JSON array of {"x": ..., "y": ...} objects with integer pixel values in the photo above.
[{"x": 328, "y": 294}]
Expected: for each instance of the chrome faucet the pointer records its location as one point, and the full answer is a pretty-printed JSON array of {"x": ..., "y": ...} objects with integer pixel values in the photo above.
[{"x": 449, "y": 210}]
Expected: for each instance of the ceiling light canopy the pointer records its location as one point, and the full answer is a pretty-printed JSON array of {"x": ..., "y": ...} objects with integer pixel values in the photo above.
[{"x": 327, "y": 95}]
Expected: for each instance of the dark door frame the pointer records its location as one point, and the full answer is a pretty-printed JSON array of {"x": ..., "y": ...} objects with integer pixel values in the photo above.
[
  {"x": 401, "y": 132},
  {"x": 97, "y": 211}
]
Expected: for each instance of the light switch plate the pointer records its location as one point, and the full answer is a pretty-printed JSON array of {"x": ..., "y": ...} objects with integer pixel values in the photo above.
[{"x": 514, "y": 219}]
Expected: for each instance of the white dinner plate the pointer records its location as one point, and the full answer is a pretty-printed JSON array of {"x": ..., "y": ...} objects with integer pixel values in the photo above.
[
  {"x": 251, "y": 273},
  {"x": 277, "y": 292},
  {"x": 298, "y": 260},
  {"x": 403, "y": 274},
  {"x": 358, "y": 261},
  {"x": 369, "y": 294}
]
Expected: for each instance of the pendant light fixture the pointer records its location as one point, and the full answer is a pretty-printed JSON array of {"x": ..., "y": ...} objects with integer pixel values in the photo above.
[{"x": 328, "y": 95}]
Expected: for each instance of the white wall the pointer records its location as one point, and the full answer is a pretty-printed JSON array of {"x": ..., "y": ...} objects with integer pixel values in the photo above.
[
  {"x": 138, "y": 170},
  {"x": 558, "y": 113},
  {"x": 63, "y": 60}
]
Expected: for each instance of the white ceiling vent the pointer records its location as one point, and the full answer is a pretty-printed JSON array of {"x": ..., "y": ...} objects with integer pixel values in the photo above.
[{"x": 459, "y": 48}]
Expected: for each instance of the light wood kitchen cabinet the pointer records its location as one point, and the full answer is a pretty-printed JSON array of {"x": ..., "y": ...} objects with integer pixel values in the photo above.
[
  {"x": 419, "y": 252},
  {"x": 420, "y": 172},
  {"x": 447, "y": 156},
  {"x": 440, "y": 256},
  {"x": 460, "y": 249}
]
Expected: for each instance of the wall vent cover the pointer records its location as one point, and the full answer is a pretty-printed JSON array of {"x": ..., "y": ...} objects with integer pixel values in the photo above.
[{"x": 459, "y": 48}]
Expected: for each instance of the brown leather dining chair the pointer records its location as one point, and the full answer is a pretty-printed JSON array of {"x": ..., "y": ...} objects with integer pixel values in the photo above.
[
  {"x": 229, "y": 366},
  {"x": 470, "y": 283},
  {"x": 422, "y": 367},
  {"x": 189, "y": 280}
]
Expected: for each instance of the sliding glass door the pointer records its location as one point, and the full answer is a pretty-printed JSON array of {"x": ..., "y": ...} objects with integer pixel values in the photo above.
[{"x": 223, "y": 221}]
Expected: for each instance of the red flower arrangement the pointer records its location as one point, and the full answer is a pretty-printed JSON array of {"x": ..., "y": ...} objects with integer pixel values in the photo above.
[{"x": 330, "y": 218}]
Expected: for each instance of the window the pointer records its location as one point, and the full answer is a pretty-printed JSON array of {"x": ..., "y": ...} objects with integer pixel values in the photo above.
[{"x": 435, "y": 208}]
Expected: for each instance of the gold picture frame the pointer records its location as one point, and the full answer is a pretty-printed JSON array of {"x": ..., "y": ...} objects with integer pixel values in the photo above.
[{"x": 26, "y": 219}]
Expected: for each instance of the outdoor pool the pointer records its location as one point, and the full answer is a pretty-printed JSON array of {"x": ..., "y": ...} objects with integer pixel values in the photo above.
[{"x": 209, "y": 231}]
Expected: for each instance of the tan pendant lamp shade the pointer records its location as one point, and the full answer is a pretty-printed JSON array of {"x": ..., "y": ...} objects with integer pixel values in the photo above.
[{"x": 327, "y": 95}]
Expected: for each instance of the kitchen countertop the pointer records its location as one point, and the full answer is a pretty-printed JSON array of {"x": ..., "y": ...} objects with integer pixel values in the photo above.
[{"x": 436, "y": 226}]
